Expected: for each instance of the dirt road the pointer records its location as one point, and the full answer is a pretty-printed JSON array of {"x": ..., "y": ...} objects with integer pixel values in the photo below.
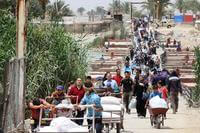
[
  {"x": 187, "y": 120},
  {"x": 187, "y": 34}
]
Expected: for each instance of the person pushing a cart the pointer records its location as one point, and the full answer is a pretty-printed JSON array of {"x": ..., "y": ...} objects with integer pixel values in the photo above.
[{"x": 91, "y": 98}]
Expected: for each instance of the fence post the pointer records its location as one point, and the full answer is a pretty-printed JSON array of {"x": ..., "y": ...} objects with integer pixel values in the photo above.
[{"x": 20, "y": 51}]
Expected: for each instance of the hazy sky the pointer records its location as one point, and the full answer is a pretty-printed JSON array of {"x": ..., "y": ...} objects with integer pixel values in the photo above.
[{"x": 91, "y": 4}]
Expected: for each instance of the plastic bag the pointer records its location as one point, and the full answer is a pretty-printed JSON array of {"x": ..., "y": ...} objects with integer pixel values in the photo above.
[{"x": 132, "y": 103}]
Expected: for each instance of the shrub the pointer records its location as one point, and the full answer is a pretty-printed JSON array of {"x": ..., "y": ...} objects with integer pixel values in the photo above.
[
  {"x": 196, "y": 90},
  {"x": 53, "y": 56}
]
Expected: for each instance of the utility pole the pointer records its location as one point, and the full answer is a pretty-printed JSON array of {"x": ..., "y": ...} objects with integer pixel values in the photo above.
[
  {"x": 20, "y": 52},
  {"x": 131, "y": 11},
  {"x": 158, "y": 8},
  {"x": 113, "y": 7}
]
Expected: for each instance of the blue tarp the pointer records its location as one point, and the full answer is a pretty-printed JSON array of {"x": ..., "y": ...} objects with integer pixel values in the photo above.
[{"x": 179, "y": 19}]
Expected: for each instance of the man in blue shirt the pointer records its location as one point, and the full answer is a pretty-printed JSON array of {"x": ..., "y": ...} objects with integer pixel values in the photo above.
[
  {"x": 110, "y": 83},
  {"x": 91, "y": 98}
]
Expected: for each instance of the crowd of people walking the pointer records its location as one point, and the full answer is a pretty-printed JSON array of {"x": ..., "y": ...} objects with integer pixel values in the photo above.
[{"x": 144, "y": 78}]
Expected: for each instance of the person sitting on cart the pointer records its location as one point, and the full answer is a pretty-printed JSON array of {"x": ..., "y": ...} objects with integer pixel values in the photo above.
[
  {"x": 58, "y": 95},
  {"x": 35, "y": 105},
  {"x": 112, "y": 83},
  {"x": 91, "y": 98},
  {"x": 108, "y": 90}
]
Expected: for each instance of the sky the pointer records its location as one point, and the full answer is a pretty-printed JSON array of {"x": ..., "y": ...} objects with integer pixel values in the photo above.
[{"x": 91, "y": 4}]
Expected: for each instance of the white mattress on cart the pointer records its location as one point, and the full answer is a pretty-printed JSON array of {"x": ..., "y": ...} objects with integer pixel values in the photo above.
[
  {"x": 110, "y": 107},
  {"x": 107, "y": 115},
  {"x": 63, "y": 124},
  {"x": 49, "y": 129}
]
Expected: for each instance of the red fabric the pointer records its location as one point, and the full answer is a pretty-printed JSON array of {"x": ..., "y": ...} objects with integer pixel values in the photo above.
[
  {"x": 188, "y": 18},
  {"x": 118, "y": 79},
  {"x": 74, "y": 91},
  {"x": 36, "y": 112},
  {"x": 163, "y": 91}
]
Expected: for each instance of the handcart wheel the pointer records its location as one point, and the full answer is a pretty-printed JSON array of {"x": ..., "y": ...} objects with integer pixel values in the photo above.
[
  {"x": 118, "y": 127},
  {"x": 163, "y": 120},
  {"x": 158, "y": 122},
  {"x": 158, "y": 125},
  {"x": 151, "y": 120},
  {"x": 107, "y": 128}
]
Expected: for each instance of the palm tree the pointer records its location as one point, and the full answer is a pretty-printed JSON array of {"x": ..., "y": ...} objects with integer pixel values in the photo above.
[
  {"x": 157, "y": 7},
  {"x": 100, "y": 11},
  {"x": 43, "y": 3},
  {"x": 35, "y": 10},
  {"x": 150, "y": 6},
  {"x": 126, "y": 7},
  {"x": 116, "y": 6},
  {"x": 180, "y": 5},
  {"x": 193, "y": 5},
  {"x": 161, "y": 5},
  {"x": 80, "y": 10},
  {"x": 59, "y": 9}
]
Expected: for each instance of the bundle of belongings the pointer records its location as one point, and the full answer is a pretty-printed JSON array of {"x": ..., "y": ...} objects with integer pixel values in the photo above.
[
  {"x": 109, "y": 104},
  {"x": 63, "y": 124},
  {"x": 157, "y": 102}
]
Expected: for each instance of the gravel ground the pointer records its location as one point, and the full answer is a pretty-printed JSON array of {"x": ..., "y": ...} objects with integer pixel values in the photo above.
[
  {"x": 185, "y": 121},
  {"x": 187, "y": 34}
]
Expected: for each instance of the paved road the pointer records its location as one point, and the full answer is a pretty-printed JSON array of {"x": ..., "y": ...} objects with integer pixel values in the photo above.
[{"x": 187, "y": 120}]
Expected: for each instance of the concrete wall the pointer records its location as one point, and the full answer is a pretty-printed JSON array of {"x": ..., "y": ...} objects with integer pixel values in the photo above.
[{"x": 87, "y": 27}]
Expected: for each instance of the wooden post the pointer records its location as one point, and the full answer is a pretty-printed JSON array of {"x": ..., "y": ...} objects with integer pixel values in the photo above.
[
  {"x": 21, "y": 25},
  {"x": 20, "y": 51}
]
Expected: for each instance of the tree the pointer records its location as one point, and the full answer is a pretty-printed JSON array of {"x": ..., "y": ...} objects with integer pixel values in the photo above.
[
  {"x": 180, "y": 5},
  {"x": 53, "y": 56},
  {"x": 136, "y": 13},
  {"x": 80, "y": 10},
  {"x": 116, "y": 6},
  {"x": 8, "y": 4},
  {"x": 196, "y": 65},
  {"x": 193, "y": 5},
  {"x": 126, "y": 7},
  {"x": 188, "y": 5},
  {"x": 149, "y": 6},
  {"x": 43, "y": 3},
  {"x": 59, "y": 9},
  {"x": 35, "y": 9},
  {"x": 157, "y": 7},
  {"x": 100, "y": 11},
  {"x": 91, "y": 15}
]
